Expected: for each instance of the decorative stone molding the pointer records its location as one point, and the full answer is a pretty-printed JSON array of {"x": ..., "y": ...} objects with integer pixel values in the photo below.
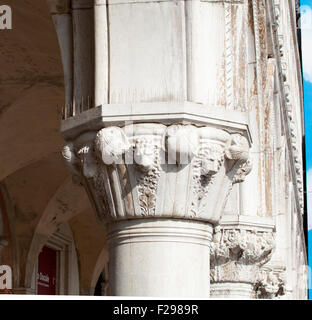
[
  {"x": 238, "y": 250},
  {"x": 288, "y": 110},
  {"x": 270, "y": 284},
  {"x": 147, "y": 170}
]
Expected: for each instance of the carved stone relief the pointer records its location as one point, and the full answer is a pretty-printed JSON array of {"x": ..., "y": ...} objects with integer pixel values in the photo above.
[
  {"x": 238, "y": 253},
  {"x": 141, "y": 157}
]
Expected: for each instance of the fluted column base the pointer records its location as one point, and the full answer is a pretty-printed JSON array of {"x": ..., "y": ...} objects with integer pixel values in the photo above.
[
  {"x": 232, "y": 291},
  {"x": 159, "y": 258}
]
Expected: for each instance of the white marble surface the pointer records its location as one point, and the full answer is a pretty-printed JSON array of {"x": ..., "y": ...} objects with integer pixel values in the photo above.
[{"x": 159, "y": 258}]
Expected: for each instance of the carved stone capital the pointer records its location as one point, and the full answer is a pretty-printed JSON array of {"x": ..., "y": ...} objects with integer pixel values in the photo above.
[
  {"x": 270, "y": 284},
  {"x": 238, "y": 251},
  {"x": 153, "y": 170}
]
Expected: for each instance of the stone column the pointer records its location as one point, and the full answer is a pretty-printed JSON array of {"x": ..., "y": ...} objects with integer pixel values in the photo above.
[
  {"x": 153, "y": 135},
  {"x": 160, "y": 189},
  {"x": 160, "y": 257},
  {"x": 241, "y": 245}
]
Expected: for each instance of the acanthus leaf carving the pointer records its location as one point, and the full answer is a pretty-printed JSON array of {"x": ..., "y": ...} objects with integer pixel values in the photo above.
[
  {"x": 147, "y": 157},
  {"x": 141, "y": 158},
  {"x": 205, "y": 165}
]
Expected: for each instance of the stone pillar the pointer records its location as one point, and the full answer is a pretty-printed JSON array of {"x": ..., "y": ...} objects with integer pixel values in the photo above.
[
  {"x": 160, "y": 189},
  {"x": 159, "y": 148},
  {"x": 241, "y": 245},
  {"x": 160, "y": 257}
]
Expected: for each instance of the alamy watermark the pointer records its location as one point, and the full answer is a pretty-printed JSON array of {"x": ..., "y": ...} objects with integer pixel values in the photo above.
[
  {"x": 5, "y": 17},
  {"x": 5, "y": 277},
  {"x": 304, "y": 20}
]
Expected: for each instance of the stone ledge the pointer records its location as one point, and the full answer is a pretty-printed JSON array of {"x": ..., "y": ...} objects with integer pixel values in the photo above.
[
  {"x": 160, "y": 112},
  {"x": 247, "y": 222}
]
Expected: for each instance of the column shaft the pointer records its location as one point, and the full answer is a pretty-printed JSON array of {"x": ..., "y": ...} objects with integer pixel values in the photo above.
[{"x": 159, "y": 257}]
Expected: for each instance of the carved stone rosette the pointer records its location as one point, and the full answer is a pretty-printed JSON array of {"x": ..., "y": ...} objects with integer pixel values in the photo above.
[
  {"x": 153, "y": 170},
  {"x": 238, "y": 252}
]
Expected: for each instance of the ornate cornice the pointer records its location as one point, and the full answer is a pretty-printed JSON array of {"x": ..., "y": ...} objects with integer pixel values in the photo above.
[
  {"x": 288, "y": 110},
  {"x": 154, "y": 170}
]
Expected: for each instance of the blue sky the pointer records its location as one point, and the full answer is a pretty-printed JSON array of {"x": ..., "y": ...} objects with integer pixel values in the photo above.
[{"x": 306, "y": 33}]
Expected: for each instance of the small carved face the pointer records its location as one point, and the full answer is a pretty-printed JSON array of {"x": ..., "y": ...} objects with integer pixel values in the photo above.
[
  {"x": 144, "y": 153},
  {"x": 68, "y": 153},
  {"x": 111, "y": 144},
  {"x": 211, "y": 159},
  {"x": 239, "y": 148},
  {"x": 242, "y": 172},
  {"x": 209, "y": 166},
  {"x": 233, "y": 236}
]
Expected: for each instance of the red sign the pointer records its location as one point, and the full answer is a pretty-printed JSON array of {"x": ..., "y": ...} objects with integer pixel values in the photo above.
[{"x": 46, "y": 276}]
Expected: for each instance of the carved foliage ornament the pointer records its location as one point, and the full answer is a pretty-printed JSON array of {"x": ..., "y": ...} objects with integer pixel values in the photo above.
[
  {"x": 270, "y": 284},
  {"x": 237, "y": 254},
  {"x": 147, "y": 157},
  {"x": 146, "y": 152}
]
